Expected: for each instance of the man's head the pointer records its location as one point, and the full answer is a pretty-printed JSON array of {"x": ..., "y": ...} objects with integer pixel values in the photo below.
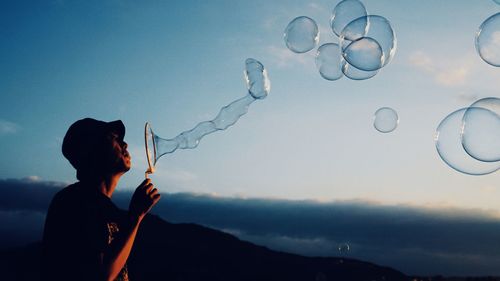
[{"x": 96, "y": 148}]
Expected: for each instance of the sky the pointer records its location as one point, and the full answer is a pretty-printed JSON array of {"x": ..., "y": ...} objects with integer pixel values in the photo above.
[{"x": 176, "y": 63}]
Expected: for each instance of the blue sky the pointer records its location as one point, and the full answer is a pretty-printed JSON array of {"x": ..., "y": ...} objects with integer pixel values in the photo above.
[{"x": 175, "y": 64}]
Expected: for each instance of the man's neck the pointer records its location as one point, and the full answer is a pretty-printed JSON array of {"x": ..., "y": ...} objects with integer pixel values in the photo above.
[{"x": 108, "y": 184}]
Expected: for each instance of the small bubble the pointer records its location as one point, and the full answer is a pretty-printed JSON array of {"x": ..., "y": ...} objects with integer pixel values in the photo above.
[{"x": 385, "y": 120}]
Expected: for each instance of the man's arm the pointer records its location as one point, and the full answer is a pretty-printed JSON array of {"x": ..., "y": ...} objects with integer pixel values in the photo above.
[{"x": 144, "y": 198}]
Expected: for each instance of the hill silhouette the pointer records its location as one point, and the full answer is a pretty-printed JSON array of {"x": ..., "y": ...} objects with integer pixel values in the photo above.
[{"x": 168, "y": 251}]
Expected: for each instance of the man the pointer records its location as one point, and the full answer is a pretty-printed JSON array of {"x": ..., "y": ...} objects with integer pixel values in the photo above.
[{"x": 86, "y": 236}]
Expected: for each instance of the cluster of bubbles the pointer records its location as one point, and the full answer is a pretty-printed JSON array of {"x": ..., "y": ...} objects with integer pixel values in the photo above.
[
  {"x": 468, "y": 139},
  {"x": 366, "y": 42},
  {"x": 258, "y": 85},
  {"x": 488, "y": 39}
]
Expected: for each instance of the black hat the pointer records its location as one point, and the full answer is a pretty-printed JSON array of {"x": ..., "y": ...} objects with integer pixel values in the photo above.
[{"x": 84, "y": 135}]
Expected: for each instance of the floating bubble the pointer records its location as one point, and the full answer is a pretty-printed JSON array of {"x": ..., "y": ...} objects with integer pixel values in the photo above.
[
  {"x": 345, "y": 12},
  {"x": 385, "y": 120},
  {"x": 301, "y": 35},
  {"x": 490, "y": 103},
  {"x": 329, "y": 61},
  {"x": 344, "y": 248},
  {"x": 481, "y": 134},
  {"x": 449, "y": 146},
  {"x": 364, "y": 53},
  {"x": 353, "y": 73},
  {"x": 258, "y": 83},
  {"x": 258, "y": 88},
  {"x": 488, "y": 40},
  {"x": 378, "y": 29},
  {"x": 497, "y": 1}
]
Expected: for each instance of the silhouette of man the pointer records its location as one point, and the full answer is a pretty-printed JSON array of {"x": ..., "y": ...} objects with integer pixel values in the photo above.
[{"x": 86, "y": 237}]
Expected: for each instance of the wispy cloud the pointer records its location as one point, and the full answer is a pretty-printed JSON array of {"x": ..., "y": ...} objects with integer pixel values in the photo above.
[
  {"x": 8, "y": 128},
  {"x": 445, "y": 72},
  {"x": 284, "y": 58}
]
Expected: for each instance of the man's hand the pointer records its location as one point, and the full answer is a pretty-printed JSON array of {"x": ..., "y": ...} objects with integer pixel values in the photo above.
[{"x": 144, "y": 198}]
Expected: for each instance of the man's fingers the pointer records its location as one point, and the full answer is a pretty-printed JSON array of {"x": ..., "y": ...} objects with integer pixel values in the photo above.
[
  {"x": 153, "y": 191},
  {"x": 145, "y": 183},
  {"x": 156, "y": 198},
  {"x": 149, "y": 187}
]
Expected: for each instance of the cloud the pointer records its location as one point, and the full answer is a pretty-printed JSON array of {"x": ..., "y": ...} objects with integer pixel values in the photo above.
[
  {"x": 445, "y": 72},
  {"x": 8, "y": 128},
  {"x": 416, "y": 240},
  {"x": 283, "y": 58},
  {"x": 413, "y": 239}
]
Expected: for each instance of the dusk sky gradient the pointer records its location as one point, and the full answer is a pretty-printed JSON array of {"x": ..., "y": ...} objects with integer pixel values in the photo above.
[{"x": 176, "y": 63}]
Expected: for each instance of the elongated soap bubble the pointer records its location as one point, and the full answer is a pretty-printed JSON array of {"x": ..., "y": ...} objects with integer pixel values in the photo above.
[
  {"x": 488, "y": 40},
  {"x": 385, "y": 120},
  {"x": 301, "y": 35},
  {"x": 345, "y": 12},
  {"x": 378, "y": 29},
  {"x": 329, "y": 61},
  {"x": 449, "y": 146},
  {"x": 258, "y": 83},
  {"x": 258, "y": 86},
  {"x": 481, "y": 130},
  {"x": 354, "y": 73}
]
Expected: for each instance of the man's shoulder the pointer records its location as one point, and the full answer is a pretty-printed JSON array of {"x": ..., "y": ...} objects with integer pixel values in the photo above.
[{"x": 70, "y": 192}]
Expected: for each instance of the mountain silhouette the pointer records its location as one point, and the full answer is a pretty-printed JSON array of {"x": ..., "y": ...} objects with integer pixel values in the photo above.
[{"x": 189, "y": 252}]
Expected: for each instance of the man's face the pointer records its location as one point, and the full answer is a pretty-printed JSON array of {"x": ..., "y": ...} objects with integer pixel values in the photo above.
[{"x": 118, "y": 157}]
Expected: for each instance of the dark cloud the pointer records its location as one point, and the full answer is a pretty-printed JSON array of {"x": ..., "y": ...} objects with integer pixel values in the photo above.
[{"x": 413, "y": 240}]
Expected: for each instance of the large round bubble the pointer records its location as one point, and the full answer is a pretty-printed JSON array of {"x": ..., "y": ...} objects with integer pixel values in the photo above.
[
  {"x": 345, "y": 12},
  {"x": 490, "y": 103},
  {"x": 450, "y": 149},
  {"x": 488, "y": 40},
  {"x": 385, "y": 120},
  {"x": 353, "y": 73},
  {"x": 364, "y": 53},
  {"x": 378, "y": 29},
  {"x": 329, "y": 61},
  {"x": 481, "y": 134},
  {"x": 301, "y": 35}
]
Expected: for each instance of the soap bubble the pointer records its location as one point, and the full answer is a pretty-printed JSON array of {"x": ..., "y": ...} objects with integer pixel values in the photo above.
[
  {"x": 364, "y": 53},
  {"x": 481, "y": 134},
  {"x": 258, "y": 83},
  {"x": 379, "y": 29},
  {"x": 345, "y": 12},
  {"x": 385, "y": 120},
  {"x": 497, "y": 1},
  {"x": 488, "y": 40},
  {"x": 353, "y": 73},
  {"x": 329, "y": 61},
  {"x": 301, "y": 34},
  {"x": 344, "y": 248},
  {"x": 449, "y": 145},
  {"x": 490, "y": 103}
]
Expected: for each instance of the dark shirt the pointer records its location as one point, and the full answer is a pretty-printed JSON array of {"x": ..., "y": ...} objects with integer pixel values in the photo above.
[{"x": 81, "y": 224}]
